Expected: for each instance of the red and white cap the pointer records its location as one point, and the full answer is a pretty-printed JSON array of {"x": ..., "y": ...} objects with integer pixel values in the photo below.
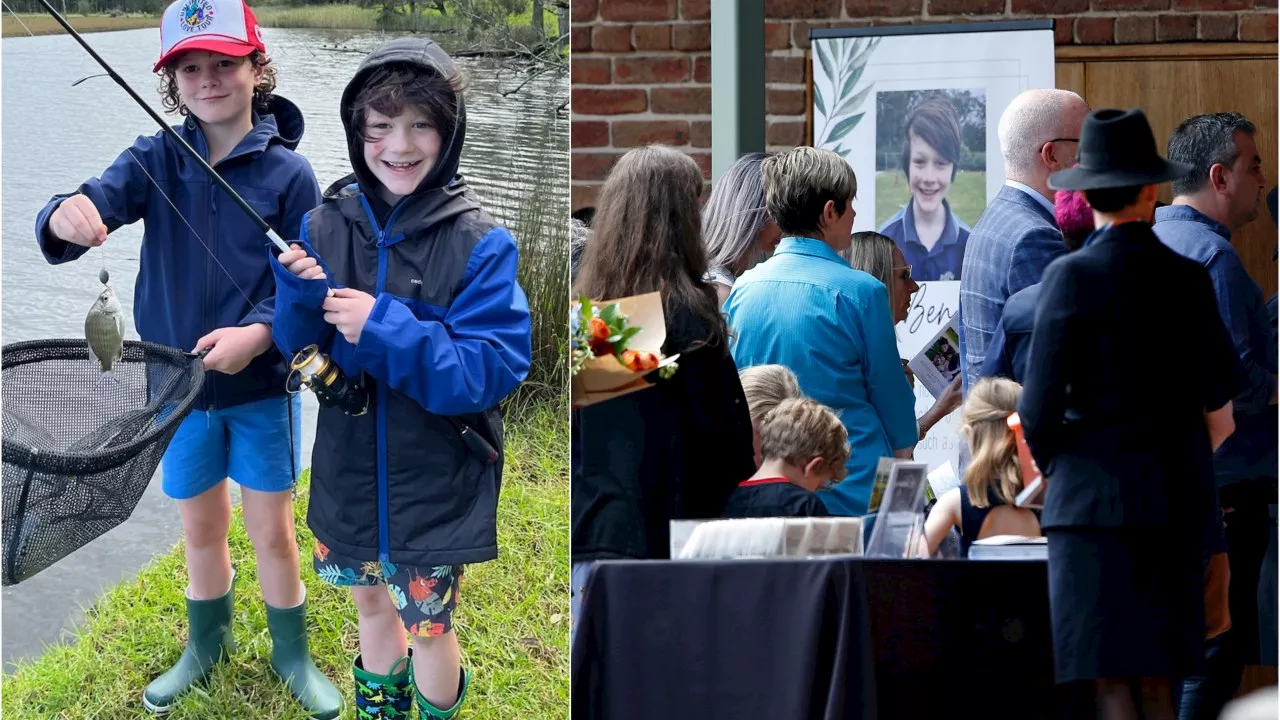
[{"x": 227, "y": 27}]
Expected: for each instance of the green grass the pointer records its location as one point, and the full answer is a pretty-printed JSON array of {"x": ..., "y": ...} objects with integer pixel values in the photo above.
[
  {"x": 512, "y": 622},
  {"x": 967, "y": 196},
  {"x": 354, "y": 17},
  {"x": 334, "y": 17}
]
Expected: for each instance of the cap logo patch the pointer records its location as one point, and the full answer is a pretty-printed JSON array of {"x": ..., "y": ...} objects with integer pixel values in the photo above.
[{"x": 197, "y": 15}]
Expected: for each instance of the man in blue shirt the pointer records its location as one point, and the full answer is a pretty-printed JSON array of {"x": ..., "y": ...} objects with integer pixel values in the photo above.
[
  {"x": 807, "y": 309},
  {"x": 1016, "y": 237},
  {"x": 1219, "y": 196},
  {"x": 1222, "y": 195}
]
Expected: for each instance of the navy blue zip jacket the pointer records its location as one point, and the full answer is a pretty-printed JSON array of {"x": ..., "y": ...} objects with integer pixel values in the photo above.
[
  {"x": 181, "y": 294},
  {"x": 448, "y": 337}
]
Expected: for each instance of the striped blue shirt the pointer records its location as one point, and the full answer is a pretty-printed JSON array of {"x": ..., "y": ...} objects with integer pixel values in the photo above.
[{"x": 805, "y": 308}]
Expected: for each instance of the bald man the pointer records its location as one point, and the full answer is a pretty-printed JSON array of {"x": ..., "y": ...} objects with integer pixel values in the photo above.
[{"x": 1017, "y": 237}]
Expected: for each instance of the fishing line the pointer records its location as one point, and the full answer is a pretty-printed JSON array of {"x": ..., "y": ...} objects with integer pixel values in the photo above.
[
  {"x": 193, "y": 230},
  {"x": 19, "y": 19}
]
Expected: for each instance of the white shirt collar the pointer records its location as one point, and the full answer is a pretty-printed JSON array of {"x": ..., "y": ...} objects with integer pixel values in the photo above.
[{"x": 1044, "y": 202}]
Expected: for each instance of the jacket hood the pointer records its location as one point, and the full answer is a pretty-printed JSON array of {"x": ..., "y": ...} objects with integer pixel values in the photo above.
[
  {"x": 422, "y": 209},
  {"x": 288, "y": 121},
  {"x": 419, "y": 53},
  {"x": 281, "y": 122}
]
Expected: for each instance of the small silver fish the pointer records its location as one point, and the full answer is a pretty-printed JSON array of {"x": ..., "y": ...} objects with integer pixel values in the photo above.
[{"x": 104, "y": 328}]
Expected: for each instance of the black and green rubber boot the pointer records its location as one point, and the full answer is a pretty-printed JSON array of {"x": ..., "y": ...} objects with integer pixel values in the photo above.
[
  {"x": 384, "y": 697},
  {"x": 291, "y": 660},
  {"x": 209, "y": 641},
  {"x": 427, "y": 711}
]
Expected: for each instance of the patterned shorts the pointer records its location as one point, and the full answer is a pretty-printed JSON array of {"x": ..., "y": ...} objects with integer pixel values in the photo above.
[{"x": 424, "y": 597}]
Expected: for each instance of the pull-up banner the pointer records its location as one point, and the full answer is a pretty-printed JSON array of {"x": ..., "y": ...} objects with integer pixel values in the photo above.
[{"x": 914, "y": 110}]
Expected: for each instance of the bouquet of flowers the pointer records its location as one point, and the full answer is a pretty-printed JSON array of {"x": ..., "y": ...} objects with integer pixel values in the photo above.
[{"x": 611, "y": 352}]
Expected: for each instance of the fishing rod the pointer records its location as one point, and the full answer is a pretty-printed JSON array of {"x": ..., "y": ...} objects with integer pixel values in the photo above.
[{"x": 213, "y": 174}]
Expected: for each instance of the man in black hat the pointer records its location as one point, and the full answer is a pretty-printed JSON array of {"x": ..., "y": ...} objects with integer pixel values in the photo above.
[{"x": 1127, "y": 393}]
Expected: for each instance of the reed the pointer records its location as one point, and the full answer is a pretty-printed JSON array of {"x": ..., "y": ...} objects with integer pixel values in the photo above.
[{"x": 542, "y": 236}]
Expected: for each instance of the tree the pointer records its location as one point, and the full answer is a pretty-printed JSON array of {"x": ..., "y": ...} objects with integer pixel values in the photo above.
[{"x": 537, "y": 18}]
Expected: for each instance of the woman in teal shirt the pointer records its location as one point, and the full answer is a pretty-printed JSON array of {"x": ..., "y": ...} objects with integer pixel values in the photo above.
[{"x": 807, "y": 309}]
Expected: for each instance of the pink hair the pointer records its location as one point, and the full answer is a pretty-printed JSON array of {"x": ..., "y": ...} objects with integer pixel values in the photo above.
[{"x": 1075, "y": 217}]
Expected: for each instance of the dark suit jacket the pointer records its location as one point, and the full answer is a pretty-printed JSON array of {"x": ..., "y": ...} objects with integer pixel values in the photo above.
[
  {"x": 1127, "y": 355},
  {"x": 1011, "y": 345}
]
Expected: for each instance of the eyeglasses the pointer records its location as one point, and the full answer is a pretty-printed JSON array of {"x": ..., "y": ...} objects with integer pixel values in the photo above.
[
  {"x": 1046, "y": 142},
  {"x": 906, "y": 275}
]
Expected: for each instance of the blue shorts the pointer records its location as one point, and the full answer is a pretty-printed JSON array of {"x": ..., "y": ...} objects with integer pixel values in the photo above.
[{"x": 250, "y": 443}]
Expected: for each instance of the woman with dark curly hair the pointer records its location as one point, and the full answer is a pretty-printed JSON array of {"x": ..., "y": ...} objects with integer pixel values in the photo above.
[{"x": 215, "y": 71}]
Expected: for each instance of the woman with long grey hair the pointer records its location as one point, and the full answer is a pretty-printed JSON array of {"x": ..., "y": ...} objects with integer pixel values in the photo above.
[
  {"x": 878, "y": 256},
  {"x": 736, "y": 229}
]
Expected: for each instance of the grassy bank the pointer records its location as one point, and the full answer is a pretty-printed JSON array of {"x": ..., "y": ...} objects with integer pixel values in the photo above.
[
  {"x": 331, "y": 17},
  {"x": 512, "y": 621},
  {"x": 46, "y": 25},
  {"x": 354, "y": 17}
]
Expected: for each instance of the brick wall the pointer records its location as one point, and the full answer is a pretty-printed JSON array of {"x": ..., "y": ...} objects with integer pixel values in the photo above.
[{"x": 642, "y": 68}]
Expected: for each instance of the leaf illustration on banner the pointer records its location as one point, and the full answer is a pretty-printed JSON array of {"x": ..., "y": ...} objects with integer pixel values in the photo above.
[{"x": 843, "y": 60}]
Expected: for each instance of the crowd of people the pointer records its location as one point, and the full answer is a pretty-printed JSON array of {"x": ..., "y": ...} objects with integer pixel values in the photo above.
[{"x": 1161, "y": 476}]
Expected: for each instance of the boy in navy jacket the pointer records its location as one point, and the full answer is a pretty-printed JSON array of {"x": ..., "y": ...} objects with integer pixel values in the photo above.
[
  {"x": 427, "y": 315},
  {"x": 203, "y": 284}
]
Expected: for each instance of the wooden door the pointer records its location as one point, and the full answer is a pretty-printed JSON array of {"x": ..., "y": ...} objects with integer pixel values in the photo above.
[{"x": 1172, "y": 82}]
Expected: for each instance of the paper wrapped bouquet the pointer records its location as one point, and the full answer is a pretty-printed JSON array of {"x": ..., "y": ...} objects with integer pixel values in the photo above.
[{"x": 615, "y": 345}]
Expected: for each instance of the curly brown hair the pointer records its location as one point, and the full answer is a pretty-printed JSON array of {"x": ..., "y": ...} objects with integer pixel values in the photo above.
[{"x": 172, "y": 101}]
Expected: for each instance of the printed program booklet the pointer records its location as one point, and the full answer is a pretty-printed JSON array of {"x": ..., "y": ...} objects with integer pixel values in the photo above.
[{"x": 939, "y": 362}]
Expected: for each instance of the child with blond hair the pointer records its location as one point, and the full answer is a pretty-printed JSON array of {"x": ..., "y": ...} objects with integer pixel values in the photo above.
[
  {"x": 804, "y": 447},
  {"x": 983, "y": 505},
  {"x": 765, "y": 387}
]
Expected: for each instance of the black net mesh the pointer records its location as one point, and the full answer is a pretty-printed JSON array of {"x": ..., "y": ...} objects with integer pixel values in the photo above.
[{"x": 80, "y": 447}]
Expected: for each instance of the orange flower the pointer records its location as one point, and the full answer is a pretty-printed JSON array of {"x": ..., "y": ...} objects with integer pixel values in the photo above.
[
  {"x": 321, "y": 551},
  {"x": 599, "y": 328},
  {"x": 435, "y": 629},
  {"x": 630, "y": 359},
  {"x": 414, "y": 629}
]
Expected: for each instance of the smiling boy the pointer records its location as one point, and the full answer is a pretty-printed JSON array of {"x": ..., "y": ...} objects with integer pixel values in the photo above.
[
  {"x": 398, "y": 505},
  {"x": 929, "y": 234}
]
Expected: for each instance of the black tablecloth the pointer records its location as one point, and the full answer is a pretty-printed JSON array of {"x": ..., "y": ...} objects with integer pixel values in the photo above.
[{"x": 815, "y": 638}]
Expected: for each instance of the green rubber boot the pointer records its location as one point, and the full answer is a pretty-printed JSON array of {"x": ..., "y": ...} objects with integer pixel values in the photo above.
[
  {"x": 291, "y": 660},
  {"x": 427, "y": 711},
  {"x": 209, "y": 641},
  {"x": 384, "y": 697}
]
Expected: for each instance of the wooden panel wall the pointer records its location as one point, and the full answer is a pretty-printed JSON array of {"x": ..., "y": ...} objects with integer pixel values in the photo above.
[{"x": 1172, "y": 82}]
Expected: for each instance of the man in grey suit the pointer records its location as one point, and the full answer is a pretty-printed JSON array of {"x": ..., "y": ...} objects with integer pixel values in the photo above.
[{"x": 1016, "y": 237}]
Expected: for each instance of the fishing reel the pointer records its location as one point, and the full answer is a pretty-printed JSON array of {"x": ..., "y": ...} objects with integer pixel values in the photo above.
[{"x": 313, "y": 369}]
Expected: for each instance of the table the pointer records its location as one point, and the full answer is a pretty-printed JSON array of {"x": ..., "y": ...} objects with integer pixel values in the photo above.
[{"x": 829, "y": 638}]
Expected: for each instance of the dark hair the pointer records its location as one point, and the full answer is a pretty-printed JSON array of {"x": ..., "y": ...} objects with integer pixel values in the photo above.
[
  {"x": 647, "y": 237},
  {"x": 1112, "y": 199},
  {"x": 171, "y": 100},
  {"x": 395, "y": 87},
  {"x": 1203, "y": 141},
  {"x": 935, "y": 121}
]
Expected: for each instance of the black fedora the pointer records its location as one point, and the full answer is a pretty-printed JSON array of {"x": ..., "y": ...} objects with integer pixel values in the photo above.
[{"x": 1117, "y": 149}]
